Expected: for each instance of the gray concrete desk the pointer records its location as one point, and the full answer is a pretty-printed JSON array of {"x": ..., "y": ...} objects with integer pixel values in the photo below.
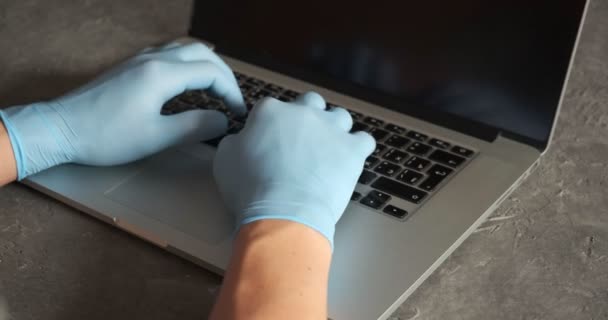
[{"x": 542, "y": 255}]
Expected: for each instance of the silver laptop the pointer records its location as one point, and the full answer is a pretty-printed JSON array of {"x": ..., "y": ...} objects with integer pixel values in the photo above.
[{"x": 462, "y": 98}]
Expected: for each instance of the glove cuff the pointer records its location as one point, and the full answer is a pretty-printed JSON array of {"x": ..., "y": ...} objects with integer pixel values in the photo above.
[
  {"x": 36, "y": 139},
  {"x": 326, "y": 232},
  {"x": 294, "y": 203},
  {"x": 15, "y": 144}
]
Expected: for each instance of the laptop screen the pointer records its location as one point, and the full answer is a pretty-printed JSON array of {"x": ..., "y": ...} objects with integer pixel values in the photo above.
[{"x": 484, "y": 64}]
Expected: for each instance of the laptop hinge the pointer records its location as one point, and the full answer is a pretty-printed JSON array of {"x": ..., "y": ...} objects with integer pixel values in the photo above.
[{"x": 540, "y": 146}]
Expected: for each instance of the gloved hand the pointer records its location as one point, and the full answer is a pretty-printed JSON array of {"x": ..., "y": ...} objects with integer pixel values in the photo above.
[
  {"x": 292, "y": 161},
  {"x": 116, "y": 118}
]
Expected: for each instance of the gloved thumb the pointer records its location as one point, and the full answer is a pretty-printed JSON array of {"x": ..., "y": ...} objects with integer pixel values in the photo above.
[{"x": 193, "y": 126}]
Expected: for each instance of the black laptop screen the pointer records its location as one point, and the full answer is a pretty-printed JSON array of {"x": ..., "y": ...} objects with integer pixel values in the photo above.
[{"x": 499, "y": 64}]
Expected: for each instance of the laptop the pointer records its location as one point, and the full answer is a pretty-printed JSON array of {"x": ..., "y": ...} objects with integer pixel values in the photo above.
[{"x": 461, "y": 97}]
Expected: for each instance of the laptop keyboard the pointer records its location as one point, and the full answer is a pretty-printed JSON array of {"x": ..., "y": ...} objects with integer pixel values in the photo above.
[{"x": 404, "y": 171}]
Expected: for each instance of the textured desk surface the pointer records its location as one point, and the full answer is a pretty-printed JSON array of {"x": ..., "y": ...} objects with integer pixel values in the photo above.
[{"x": 542, "y": 255}]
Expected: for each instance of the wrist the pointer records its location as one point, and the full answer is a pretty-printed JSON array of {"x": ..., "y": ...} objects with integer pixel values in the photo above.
[
  {"x": 279, "y": 244},
  {"x": 292, "y": 203},
  {"x": 8, "y": 165},
  {"x": 278, "y": 269},
  {"x": 37, "y": 140},
  {"x": 281, "y": 233}
]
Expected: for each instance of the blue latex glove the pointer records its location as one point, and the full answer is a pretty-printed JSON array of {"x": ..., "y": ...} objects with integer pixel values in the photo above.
[
  {"x": 292, "y": 161},
  {"x": 116, "y": 118}
]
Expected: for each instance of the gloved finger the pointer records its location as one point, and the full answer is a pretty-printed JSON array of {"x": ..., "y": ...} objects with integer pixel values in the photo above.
[
  {"x": 167, "y": 46},
  {"x": 192, "y": 126},
  {"x": 364, "y": 143},
  {"x": 170, "y": 45},
  {"x": 146, "y": 50},
  {"x": 223, "y": 165},
  {"x": 312, "y": 99},
  {"x": 181, "y": 76},
  {"x": 228, "y": 140},
  {"x": 262, "y": 108},
  {"x": 199, "y": 52},
  {"x": 341, "y": 118}
]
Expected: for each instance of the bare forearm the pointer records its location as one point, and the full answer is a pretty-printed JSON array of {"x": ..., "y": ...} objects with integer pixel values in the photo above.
[
  {"x": 279, "y": 270},
  {"x": 8, "y": 167}
]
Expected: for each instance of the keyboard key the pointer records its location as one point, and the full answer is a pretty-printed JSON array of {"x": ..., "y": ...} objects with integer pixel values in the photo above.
[
  {"x": 394, "y": 128},
  {"x": 291, "y": 94},
  {"x": 417, "y": 135},
  {"x": 417, "y": 163},
  {"x": 355, "y": 196},
  {"x": 235, "y": 127},
  {"x": 388, "y": 169},
  {"x": 219, "y": 105},
  {"x": 250, "y": 102},
  {"x": 246, "y": 86},
  {"x": 367, "y": 177},
  {"x": 259, "y": 94},
  {"x": 239, "y": 76},
  {"x": 439, "y": 143},
  {"x": 275, "y": 95},
  {"x": 241, "y": 118},
  {"x": 191, "y": 97},
  {"x": 439, "y": 170},
  {"x": 436, "y": 174},
  {"x": 400, "y": 190},
  {"x": 395, "y": 212},
  {"x": 380, "y": 196},
  {"x": 256, "y": 95},
  {"x": 374, "y": 121},
  {"x": 204, "y": 98},
  {"x": 256, "y": 82},
  {"x": 370, "y": 162},
  {"x": 379, "y": 149},
  {"x": 175, "y": 106},
  {"x": 215, "y": 104},
  {"x": 395, "y": 155},
  {"x": 430, "y": 183},
  {"x": 249, "y": 94},
  {"x": 167, "y": 109},
  {"x": 446, "y": 158},
  {"x": 371, "y": 202},
  {"x": 355, "y": 114},
  {"x": 462, "y": 151},
  {"x": 375, "y": 199},
  {"x": 285, "y": 98},
  {"x": 410, "y": 176},
  {"x": 397, "y": 141},
  {"x": 378, "y": 134},
  {"x": 273, "y": 88},
  {"x": 419, "y": 148},
  {"x": 358, "y": 126}
]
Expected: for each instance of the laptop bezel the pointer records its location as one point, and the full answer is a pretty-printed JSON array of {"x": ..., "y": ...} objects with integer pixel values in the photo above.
[{"x": 454, "y": 122}]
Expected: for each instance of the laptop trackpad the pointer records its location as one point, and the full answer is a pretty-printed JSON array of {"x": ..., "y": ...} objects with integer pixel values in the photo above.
[{"x": 177, "y": 189}]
